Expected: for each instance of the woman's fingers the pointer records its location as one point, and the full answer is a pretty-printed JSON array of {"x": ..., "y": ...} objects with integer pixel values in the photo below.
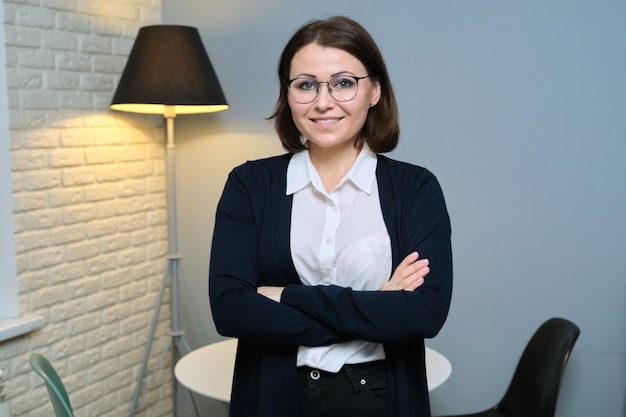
[
  {"x": 416, "y": 283},
  {"x": 409, "y": 274},
  {"x": 415, "y": 275},
  {"x": 273, "y": 293}
]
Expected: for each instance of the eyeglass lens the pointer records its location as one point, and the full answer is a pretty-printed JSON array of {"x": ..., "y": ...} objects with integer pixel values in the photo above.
[{"x": 341, "y": 88}]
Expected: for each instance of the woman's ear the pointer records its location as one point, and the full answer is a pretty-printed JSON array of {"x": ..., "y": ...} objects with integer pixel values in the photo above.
[{"x": 375, "y": 94}]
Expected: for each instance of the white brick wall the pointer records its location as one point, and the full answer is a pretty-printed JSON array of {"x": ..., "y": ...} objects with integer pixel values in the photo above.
[{"x": 89, "y": 207}]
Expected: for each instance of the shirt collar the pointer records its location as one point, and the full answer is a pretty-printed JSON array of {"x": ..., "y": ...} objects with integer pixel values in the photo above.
[{"x": 301, "y": 171}]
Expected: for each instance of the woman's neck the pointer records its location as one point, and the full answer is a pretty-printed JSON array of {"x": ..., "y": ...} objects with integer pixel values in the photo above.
[{"x": 333, "y": 164}]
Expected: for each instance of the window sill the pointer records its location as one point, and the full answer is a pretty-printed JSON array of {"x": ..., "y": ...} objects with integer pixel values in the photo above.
[{"x": 10, "y": 328}]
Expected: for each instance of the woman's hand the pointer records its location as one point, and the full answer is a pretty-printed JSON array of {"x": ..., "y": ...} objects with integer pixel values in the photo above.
[
  {"x": 408, "y": 275},
  {"x": 273, "y": 293}
]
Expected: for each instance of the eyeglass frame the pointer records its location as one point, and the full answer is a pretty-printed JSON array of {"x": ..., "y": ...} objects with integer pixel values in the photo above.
[{"x": 330, "y": 90}]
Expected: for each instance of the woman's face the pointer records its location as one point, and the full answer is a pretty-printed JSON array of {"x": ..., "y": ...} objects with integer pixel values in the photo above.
[{"x": 326, "y": 122}]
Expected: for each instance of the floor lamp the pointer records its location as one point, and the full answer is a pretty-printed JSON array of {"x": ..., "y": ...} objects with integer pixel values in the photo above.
[{"x": 168, "y": 72}]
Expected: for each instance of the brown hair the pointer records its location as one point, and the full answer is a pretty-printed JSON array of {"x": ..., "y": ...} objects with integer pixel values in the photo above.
[{"x": 381, "y": 129}]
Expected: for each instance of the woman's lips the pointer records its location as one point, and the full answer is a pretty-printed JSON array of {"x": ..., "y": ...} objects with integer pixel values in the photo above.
[{"x": 326, "y": 120}]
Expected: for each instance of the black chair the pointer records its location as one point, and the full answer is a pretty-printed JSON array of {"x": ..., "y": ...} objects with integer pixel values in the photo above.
[{"x": 534, "y": 388}]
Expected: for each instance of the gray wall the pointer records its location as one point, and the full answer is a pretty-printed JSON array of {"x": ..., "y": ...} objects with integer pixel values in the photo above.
[{"x": 520, "y": 109}]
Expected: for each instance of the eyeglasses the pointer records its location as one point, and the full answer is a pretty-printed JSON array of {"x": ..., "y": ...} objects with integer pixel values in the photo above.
[{"x": 341, "y": 88}]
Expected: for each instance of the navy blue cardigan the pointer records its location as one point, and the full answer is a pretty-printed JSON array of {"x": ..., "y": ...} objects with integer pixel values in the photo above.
[{"x": 251, "y": 248}]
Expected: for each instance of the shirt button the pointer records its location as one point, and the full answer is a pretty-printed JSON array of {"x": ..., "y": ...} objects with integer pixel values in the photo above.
[
  {"x": 315, "y": 374},
  {"x": 363, "y": 382},
  {"x": 328, "y": 240}
]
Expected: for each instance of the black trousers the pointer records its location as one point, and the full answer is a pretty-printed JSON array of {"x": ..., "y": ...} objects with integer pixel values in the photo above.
[{"x": 356, "y": 390}]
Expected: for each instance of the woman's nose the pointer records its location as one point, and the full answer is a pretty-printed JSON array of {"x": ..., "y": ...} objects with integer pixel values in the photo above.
[{"x": 324, "y": 98}]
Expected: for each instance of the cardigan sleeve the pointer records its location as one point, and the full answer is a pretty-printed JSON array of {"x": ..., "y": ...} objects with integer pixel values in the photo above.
[
  {"x": 235, "y": 273},
  {"x": 417, "y": 219}
]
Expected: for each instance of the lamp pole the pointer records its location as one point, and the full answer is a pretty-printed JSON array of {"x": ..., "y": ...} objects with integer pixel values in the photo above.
[
  {"x": 173, "y": 256},
  {"x": 172, "y": 273}
]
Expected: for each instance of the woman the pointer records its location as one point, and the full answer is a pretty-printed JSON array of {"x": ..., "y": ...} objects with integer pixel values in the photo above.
[{"x": 331, "y": 263}]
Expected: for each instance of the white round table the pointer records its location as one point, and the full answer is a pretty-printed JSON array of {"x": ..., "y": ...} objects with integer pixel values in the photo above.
[{"x": 208, "y": 370}]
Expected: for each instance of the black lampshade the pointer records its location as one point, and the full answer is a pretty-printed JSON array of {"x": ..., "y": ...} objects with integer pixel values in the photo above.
[{"x": 168, "y": 66}]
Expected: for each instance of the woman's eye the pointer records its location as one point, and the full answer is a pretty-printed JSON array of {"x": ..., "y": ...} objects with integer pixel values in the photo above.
[
  {"x": 306, "y": 85},
  {"x": 343, "y": 83}
]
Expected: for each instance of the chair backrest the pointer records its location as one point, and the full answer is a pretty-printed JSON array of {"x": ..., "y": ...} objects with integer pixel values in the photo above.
[
  {"x": 58, "y": 395},
  {"x": 535, "y": 385}
]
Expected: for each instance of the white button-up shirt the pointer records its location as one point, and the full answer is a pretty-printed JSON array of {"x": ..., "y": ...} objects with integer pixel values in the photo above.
[{"x": 338, "y": 238}]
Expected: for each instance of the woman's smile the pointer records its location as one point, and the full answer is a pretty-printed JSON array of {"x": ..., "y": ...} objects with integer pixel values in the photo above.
[{"x": 325, "y": 121}]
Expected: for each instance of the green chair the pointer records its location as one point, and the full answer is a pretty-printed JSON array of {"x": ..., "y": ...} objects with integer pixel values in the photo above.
[{"x": 56, "y": 390}]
